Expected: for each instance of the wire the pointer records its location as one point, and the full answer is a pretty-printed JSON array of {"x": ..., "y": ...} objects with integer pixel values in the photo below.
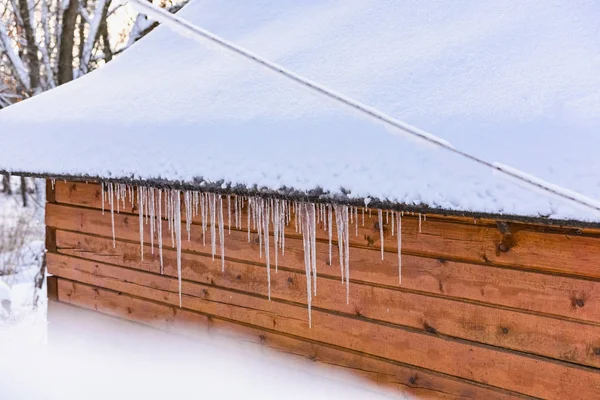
[{"x": 187, "y": 29}]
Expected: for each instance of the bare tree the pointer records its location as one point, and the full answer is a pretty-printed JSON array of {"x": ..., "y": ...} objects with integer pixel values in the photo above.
[{"x": 44, "y": 43}]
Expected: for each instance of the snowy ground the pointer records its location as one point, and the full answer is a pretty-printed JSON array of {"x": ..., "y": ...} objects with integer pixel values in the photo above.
[
  {"x": 21, "y": 251},
  {"x": 123, "y": 360}
]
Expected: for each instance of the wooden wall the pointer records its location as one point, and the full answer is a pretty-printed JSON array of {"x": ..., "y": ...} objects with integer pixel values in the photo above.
[{"x": 482, "y": 312}]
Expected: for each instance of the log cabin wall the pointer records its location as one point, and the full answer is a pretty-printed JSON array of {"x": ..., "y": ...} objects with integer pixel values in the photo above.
[{"x": 485, "y": 310}]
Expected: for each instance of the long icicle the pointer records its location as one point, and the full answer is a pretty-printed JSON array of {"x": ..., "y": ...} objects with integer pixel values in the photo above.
[
  {"x": 222, "y": 233},
  {"x": 347, "y": 255},
  {"x": 141, "y": 219},
  {"x": 159, "y": 226},
  {"x": 275, "y": 205},
  {"x": 265, "y": 218},
  {"x": 177, "y": 211},
  {"x": 339, "y": 225},
  {"x": 330, "y": 230},
  {"x": 213, "y": 223},
  {"x": 152, "y": 218},
  {"x": 313, "y": 245},
  {"x": 307, "y": 267},
  {"x": 111, "y": 200},
  {"x": 101, "y": 193},
  {"x": 399, "y": 234}
]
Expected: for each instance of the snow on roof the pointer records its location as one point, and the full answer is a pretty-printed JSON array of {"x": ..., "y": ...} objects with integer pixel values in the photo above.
[{"x": 512, "y": 82}]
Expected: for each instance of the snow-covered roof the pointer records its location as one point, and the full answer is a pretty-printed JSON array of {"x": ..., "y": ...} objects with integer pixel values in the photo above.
[{"x": 510, "y": 81}]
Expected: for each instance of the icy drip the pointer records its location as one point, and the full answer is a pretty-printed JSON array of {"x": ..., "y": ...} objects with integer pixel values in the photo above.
[
  {"x": 188, "y": 213},
  {"x": 221, "y": 234},
  {"x": 303, "y": 220},
  {"x": 276, "y": 227},
  {"x": 213, "y": 219},
  {"x": 141, "y": 220},
  {"x": 260, "y": 212},
  {"x": 380, "y": 223},
  {"x": 101, "y": 193},
  {"x": 151, "y": 208},
  {"x": 347, "y": 252},
  {"x": 264, "y": 206},
  {"x": 111, "y": 201},
  {"x": 159, "y": 224},
  {"x": 339, "y": 226},
  {"x": 175, "y": 198},
  {"x": 399, "y": 235},
  {"x": 330, "y": 230},
  {"x": 229, "y": 214},
  {"x": 203, "y": 215},
  {"x": 313, "y": 246}
]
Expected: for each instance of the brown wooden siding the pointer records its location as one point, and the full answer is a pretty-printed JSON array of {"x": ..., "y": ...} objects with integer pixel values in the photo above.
[{"x": 480, "y": 314}]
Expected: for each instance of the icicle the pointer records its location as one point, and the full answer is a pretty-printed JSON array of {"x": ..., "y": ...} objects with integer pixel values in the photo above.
[
  {"x": 213, "y": 225},
  {"x": 221, "y": 234},
  {"x": 111, "y": 200},
  {"x": 177, "y": 212},
  {"x": 393, "y": 217},
  {"x": 330, "y": 229},
  {"x": 118, "y": 198},
  {"x": 53, "y": 183},
  {"x": 380, "y": 222},
  {"x": 347, "y": 255},
  {"x": 152, "y": 219},
  {"x": 204, "y": 211},
  {"x": 296, "y": 215},
  {"x": 303, "y": 220},
  {"x": 258, "y": 214},
  {"x": 249, "y": 215},
  {"x": 285, "y": 210},
  {"x": 356, "y": 219},
  {"x": 141, "y": 220},
  {"x": 102, "y": 193},
  {"x": 419, "y": 222},
  {"x": 229, "y": 214},
  {"x": 236, "y": 210},
  {"x": 265, "y": 220},
  {"x": 146, "y": 205},
  {"x": 188, "y": 213},
  {"x": 172, "y": 216},
  {"x": 363, "y": 216},
  {"x": 339, "y": 225},
  {"x": 276, "y": 220},
  {"x": 399, "y": 234},
  {"x": 160, "y": 224},
  {"x": 313, "y": 246},
  {"x": 424, "y": 217}
]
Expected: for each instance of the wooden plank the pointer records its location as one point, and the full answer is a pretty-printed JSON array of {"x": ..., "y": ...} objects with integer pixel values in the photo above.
[
  {"x": 554, "y": 295},
  {"x": 408, "y": 380},
  {"x": 560, "y": 339},
  {"x": 530, "y": 375},
  {"x": 568, "y": 251}
]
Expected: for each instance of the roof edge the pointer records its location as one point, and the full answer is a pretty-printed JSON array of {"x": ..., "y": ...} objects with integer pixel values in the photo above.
[{"x": 317, "y": 195}]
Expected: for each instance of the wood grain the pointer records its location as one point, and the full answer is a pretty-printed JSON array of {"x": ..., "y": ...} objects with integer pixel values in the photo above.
[
  {"x": 533, "y": 376},
  {"x": 542, "y": 335},
  {"x": 554, "y": 295}
]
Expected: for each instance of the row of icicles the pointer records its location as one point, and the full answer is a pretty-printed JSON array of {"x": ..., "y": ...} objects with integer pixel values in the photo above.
[{"x": 265, "y": 216}]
